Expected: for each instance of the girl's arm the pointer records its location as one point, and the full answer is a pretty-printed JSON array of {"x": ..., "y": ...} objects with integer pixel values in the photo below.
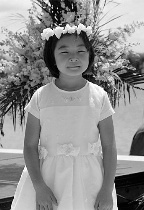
[
  {"x": 31, "y": 156},
  {"x": 106, "y": 130},
  {"x": 44, "y": 195}
]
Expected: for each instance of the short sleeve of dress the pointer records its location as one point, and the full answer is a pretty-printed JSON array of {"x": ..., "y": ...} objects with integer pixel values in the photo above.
[
  {"x": 33, "y": 106},
  {"x": 106, "y": 109}
]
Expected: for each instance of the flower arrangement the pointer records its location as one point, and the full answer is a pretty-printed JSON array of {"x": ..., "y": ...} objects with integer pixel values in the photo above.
[{"x": 25, "y": 71}]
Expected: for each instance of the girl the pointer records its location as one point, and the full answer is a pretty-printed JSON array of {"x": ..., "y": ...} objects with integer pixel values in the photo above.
[{"x": 62, "y": 148}]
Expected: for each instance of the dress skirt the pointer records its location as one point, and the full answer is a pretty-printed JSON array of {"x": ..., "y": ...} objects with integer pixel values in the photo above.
[{"x": 74, "y": 180}]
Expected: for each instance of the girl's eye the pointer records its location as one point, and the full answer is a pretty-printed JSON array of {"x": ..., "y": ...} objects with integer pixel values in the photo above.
[
  {"x": 64, "y": 52},
  {"x": 81, "y": 51}
]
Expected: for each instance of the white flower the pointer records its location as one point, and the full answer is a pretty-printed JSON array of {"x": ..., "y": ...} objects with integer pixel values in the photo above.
[
  {"x": 89, "y": 30},
  {"x": 96, "y": 59},
  {"x": 62, "y": 4},
  {"x": 66, "y": 29},
  {"x": 80, "y": 28},
  {"x": 72, "y": 29},
  {"x": 113, "y": 66},
  {"x": 111, "y": 80},
  {"x": 48, "y": 32},
  {"x": 68, "y": 17},
  {"x": 58, "y": 31},
  {"x": 28, "y": 68},
  {"x": 112, "y": 37},
  {"x": 69, "y": 29},
  {"x": 119, "y": 65},
  {"x": 106, "y": 67}
]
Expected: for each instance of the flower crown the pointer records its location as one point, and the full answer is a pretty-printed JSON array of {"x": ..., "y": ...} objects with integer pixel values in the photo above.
[{"x": 58, "y": 31}]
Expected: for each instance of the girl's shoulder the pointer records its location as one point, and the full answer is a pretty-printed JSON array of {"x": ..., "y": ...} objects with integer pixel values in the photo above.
[
  {"x": 96, "y": 90},
  {"x": 43, "y": 93},
  {"x": 43, "y": 89},
  {"x": 100, "y": 98},
  {"x": 96, "y": 87}
]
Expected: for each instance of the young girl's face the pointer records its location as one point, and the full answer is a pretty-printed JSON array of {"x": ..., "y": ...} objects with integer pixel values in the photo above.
[{"x": 71, "y": 55}]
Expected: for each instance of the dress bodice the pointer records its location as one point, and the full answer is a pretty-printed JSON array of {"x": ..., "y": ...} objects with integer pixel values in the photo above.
[{"x": 70, "y": 117}]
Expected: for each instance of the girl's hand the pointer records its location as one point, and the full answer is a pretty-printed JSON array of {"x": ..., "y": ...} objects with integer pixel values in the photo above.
[
  {"x": 45, "y": 198},
  {"x": 104, "y": 201}
]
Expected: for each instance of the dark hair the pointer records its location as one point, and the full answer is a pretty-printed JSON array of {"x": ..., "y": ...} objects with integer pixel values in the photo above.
[
  {"x": 137, "y": 146},
  {"x": 49, "y": 53}
]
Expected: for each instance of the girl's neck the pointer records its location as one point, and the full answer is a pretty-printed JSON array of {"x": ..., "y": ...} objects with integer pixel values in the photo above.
[{"x": 70, "y": 83}]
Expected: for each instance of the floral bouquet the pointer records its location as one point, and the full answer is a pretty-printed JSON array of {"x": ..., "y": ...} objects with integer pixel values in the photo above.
[{"x": 25, "y": 71}]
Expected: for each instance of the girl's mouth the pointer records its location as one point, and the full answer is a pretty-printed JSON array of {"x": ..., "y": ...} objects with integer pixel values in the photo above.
[{"x": 73, "y": 67}]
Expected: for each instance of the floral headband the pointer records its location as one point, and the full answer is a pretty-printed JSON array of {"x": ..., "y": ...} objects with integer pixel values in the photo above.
[{"x": 58, "y": 31}]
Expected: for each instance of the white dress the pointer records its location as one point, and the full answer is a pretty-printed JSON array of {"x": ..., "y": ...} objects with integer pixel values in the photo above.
[{"x": 70, "y": 148}]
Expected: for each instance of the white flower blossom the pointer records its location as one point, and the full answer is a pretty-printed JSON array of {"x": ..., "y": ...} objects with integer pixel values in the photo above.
[
  {"x": 62, "y": 4},
  {"x": 47, "y": 33},
  {"x": 58, "y": 31},
  {"x": 69, "y": 29},
  {"x": 68, "y": 17},
  {"x": 106, "y": 67},
  {"x": 80, "y": 28},
  {"x": 89, "y": 30},
  {"x": 112, "y": 37}
]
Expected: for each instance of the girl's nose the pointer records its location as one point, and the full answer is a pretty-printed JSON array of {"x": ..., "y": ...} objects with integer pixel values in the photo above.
[{"x": 73, "y": 60}]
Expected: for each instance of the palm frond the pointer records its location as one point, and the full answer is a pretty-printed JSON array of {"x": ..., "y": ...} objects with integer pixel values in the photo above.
[
  {"x": 17, "y": 18},
  {"x": 112, "y": 19}
]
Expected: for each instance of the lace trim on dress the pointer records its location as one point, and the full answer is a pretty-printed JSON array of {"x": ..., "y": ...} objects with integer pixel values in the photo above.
[
  {"x": 42, "y": 152},
  {"x": 70, "y": 150},
  {"x": 95, "y": 148}
]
